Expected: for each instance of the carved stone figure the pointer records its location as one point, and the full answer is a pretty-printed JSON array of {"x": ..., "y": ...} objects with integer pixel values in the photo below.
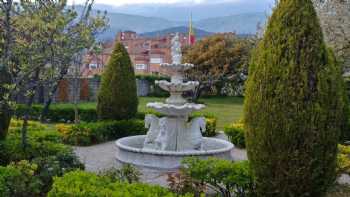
[
  {"x": 163, "y": 139},
  {"x": 151, "y": 123},
  {"x": 194, "y": 132},
  {"x": 176, "y": 49}
]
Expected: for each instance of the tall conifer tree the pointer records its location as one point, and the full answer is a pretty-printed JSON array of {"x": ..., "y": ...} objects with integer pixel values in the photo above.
[
  {"x": 117, "y": 98},
  {"x": 294, "y": 105}
]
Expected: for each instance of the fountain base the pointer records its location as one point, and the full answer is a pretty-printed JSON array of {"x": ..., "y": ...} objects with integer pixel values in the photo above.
[{"x": 130, "y": 151}]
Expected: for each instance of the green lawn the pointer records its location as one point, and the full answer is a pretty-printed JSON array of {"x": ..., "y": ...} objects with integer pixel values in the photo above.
[{"x": 226, "y": 109}]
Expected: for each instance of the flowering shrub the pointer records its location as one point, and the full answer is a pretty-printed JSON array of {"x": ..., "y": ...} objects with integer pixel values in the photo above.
[
  {"x": 235, "y": 133},
  {"x": 85, "y": 134},
  {"x": 343, "y": 159}
]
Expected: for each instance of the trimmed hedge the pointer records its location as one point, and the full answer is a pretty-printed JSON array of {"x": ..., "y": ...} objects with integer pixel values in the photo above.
[
  {"x": 63, "y": 114},
  {"x": 57, "y": 113},
  {"x": 236, "y": 135},
  {"x": 82, "y": 184},
  {"x": 85, "y": 134}
]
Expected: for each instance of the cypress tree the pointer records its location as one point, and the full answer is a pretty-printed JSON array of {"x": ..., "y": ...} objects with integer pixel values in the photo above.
[
  {"x": 294, "y": 105},
  {"x": 117, "y": 98}
]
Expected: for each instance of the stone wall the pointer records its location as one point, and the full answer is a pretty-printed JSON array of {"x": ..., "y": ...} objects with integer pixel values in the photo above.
[
  {"x": 335, "y": 20},
  {"x": 85, "y": 93}
]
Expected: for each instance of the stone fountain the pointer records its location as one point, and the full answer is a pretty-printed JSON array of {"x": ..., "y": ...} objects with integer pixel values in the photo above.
[{"x": 174, "y": 136}]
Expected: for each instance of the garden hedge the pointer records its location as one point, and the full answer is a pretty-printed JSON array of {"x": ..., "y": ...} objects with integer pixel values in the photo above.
[
  {"x": 85, "y": 134},
  {"x": 117, "y": 98},
  {"x": 294, "y": 105},
  {"x": 82, "y": 184}
]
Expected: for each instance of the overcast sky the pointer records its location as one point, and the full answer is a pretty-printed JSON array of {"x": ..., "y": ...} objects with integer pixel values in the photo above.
[{"x": 126, "y": 2}]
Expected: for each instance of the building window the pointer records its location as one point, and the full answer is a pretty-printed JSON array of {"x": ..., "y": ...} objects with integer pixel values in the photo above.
[
  {"x": 93, "y": 66},
  {"x": 140, "y": 66},
  {"x": 156, "y": 60}
]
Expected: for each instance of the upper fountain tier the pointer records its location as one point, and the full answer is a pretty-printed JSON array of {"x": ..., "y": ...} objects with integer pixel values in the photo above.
[{"x": 176, "y": 105}]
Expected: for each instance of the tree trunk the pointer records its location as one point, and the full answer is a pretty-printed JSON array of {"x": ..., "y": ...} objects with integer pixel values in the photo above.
[
  {"x": 26, "y": 113},
  {"x": 51, "y": 94},
  {"x": 5, "y": 75},
  {"x": 46, "y": 108},
  {"x": 5, "y": 108}
]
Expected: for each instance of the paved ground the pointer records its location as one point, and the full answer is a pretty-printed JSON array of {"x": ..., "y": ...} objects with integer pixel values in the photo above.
[{"x": 101, "y": 157}]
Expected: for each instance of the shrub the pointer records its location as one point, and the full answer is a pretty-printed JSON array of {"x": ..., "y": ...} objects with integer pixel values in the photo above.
[
  {"x": 81, "y": 184},
  {"x": 211, "y": 121},
  {"x": 223, "y": 176},
  {"x": 45, "y": 151},
  {"x": 343, "y": 159},
  {"x": 117, "y": 97},
  {"x": 181, "y": 183},
  {"x": 236, "y": 135},
  {"x": 293, "y": 106},
  {"x": 57, "y": 113},
  {"x": 18, "y": 179},
  {"x": 210, "y": 127},
  {"x": 127, "y": 173},
  {"x": 85, "y": 134}
]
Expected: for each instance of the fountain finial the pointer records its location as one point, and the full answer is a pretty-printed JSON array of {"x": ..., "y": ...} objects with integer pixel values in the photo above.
[{"x": 176, "y": 52}]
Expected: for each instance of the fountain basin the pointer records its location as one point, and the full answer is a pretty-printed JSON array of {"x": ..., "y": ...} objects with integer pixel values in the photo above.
[
  {"x": 175, "y": 110},
  {"x": 177, "y": 86},
  {"x": 130, "y": 151}
]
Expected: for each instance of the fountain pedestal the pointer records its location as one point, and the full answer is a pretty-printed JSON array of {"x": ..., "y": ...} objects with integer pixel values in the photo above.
[{"x": 174, "y": 136}]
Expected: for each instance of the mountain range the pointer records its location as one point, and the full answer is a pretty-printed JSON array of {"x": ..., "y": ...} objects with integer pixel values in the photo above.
[
  {"x": 181, "y": 29},
  {"x": 207, "y": 18},
  {"x": 241, "y": 24}
]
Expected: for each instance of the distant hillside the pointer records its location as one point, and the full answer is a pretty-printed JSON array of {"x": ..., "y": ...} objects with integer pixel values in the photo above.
[
  {"x": 181, "y": 29},
  {"x": 151, "y": 26},
  {"x": 181, "y": 11},
  {"x": 122, "y": 22},
  {"x": 241, "y": 24}
]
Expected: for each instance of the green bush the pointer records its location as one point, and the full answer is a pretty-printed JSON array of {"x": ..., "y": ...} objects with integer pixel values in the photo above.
[
  {"x": 19, "y": 180},
  {"x": 223, "y": 176},
  {"x": 117, "y": 97},
  {"x": 82, "y": 184},
  {"x": 127, "y": 173},
  {"x": 343, "y": 160},
  {"x": 236, "y": 135},
  {"x": 85, "y": 134},
  {"x": 45, "y": 150},
  {"x": 294, "y": 105},
  {"x": 57, "y": 113}
]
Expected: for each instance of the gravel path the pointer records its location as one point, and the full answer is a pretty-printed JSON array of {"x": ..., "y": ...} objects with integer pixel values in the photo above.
[{"x": 101, "y": 157}]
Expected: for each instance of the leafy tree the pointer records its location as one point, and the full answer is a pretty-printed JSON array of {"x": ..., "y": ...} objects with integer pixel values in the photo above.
[
  {"x": 117, "y": 98},
  {"x": 218, "y": 59},
  {"x": 294, "y": 105},
  {"x": 38, "y": 36}
]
